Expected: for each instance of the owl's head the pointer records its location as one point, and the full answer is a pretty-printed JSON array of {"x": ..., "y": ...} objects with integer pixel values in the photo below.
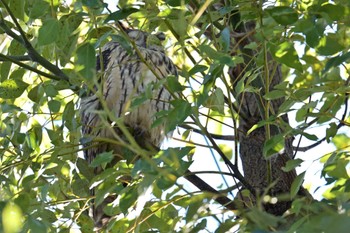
[{"x": 146, "y": 40}]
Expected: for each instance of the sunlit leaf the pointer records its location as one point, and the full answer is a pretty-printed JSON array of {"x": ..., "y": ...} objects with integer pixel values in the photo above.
[
  {"x": 12, "y": 218},
  {"x": 11, "y": 88},
  {"x": 216, "y": 101},
  {"x": 286, "y": 54},
  {"x": 329, "y": 45},
  {"x": 274, "y": 145}
]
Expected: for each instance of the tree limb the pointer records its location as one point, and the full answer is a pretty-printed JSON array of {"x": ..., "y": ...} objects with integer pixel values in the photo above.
[
  {"x": 203, "y": 186},
  {"x": 32, "y": 53}
]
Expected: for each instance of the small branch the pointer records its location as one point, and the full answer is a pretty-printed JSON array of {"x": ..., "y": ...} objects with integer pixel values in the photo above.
[
  {"x": 215, "y": 136},
  {"x": 203, "y": 186},
  {"x": 17, "y": 58},
  {"x": 341, "y": 124},
  {"x": 25, "y": 66}
]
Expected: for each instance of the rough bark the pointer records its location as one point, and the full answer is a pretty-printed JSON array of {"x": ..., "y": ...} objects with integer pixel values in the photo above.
[{"x": 255, "y": 166}]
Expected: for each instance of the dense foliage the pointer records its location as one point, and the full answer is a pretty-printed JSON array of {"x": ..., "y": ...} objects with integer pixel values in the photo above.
[{"x": 48, "y": 56}]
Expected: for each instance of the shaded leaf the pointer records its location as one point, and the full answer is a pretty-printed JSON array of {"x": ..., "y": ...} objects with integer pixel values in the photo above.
[
  {"x": 102, "y": 158},
  {"x": 292, "y": 164},
  {"x": 87, "y": 59},
  {"x": 48, "y": 32},
  {"x": 283, "y": 14},
  {"x": 298, "y": 181},
  {"x": 120, "y": 14}
]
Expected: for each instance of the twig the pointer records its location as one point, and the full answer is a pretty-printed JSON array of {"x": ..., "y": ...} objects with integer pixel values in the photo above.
[{"x": 215, "y": 136}]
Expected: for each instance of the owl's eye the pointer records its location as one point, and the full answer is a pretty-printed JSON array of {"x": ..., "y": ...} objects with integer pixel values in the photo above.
[{"x": 160, "y": 36}]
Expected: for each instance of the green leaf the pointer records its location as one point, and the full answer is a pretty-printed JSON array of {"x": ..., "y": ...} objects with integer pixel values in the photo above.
[
  {"x": 337, "y": 169},
  {"x": 336, "y": 61},
  {"x": 86, "y": 223},
  {"x": 36, "y": 225},
  {"x": 329, "y": 45},
  {"x": 50, "y": 90},
  {"x": 102, "y": 158},
  {"x": 298, "y": 181},
  {"x": 197, "y": 69},
  {"x": 85, "y": 169},
  {"x": 173, "y": 84},
  {"x": 341, "y": 141},
  {"x": 5, "y": 70},
  {"x": 48, "y": 33},
  {"x": 331, "y": 131},
  {"x": 69, "y": 116},
  {"x": 16, "y": 48},
  {"x": 225, "y": 39},
  {"x": 128, "y": 199},
  {"x": 240, "y": 86},
  {"x": 219, "y": 57},
  {"x": 216, "y": 101},
  {"x": 274, "y": 145},
  {"x": 23, "y": 201},
  {"x": 182, "y": 109},
  {"x": 12, "y": 218},
  {"x": 120, "y": 14},
  {"x": 275, "y": 94},
  {"x": 10, "y": 88},
  {"x": 227, "y": 150},
  {"x": 283, "y": 14},
  {"x": 311, "y": 137},
  {"x": 286, "y": 54},
  {"x": 36, "y": 94},
  {"x": 263, "y": 219},
  {"x": 87, "y": 59},
  {"x": 335, "y": 12},
  {"x": 17, "y": 8},
  {"x": 37, "y": 8},
  {"x": 292, "y": 164},
  {"x": 54, "y": 105}
]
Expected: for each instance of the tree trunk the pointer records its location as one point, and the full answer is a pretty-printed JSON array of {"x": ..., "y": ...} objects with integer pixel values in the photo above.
[{"x": 264, "y": 175}]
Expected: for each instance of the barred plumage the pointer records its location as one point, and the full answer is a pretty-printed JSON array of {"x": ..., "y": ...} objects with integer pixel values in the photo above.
[{"x": 124, "y": 77}]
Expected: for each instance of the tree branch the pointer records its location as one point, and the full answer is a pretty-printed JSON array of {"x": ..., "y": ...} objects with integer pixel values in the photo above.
[
  {"x": 203, "y": 186},
  {"x": 28, "y": 67},
  {"x": 215, "y": 136},
  {"x": 17, "y": 58},
  {"x": 32, "y": 53}
]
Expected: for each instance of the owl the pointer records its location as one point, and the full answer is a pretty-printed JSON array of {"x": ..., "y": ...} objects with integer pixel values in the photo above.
[{"x": 125, "y": 75}]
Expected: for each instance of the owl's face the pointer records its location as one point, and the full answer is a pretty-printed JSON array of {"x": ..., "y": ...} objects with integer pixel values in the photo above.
[{"x": 147, "y": 40}]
